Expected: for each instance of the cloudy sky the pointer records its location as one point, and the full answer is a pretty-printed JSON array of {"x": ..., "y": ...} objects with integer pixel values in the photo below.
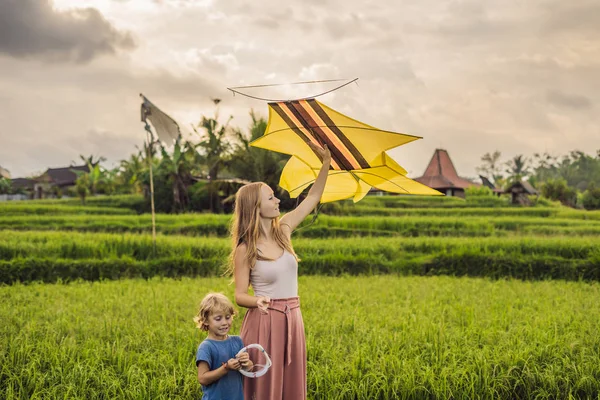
[{"x": 469, "y": 76}]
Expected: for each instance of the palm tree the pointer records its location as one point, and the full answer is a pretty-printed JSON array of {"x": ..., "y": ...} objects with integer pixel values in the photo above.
[
  {"x": 130, "y": 173},
  {"x": 89, "y": 161},
  {"x": 178, "y": 169},
  {"x": 518, "y": 168},
  {"x": 214, "y": 151},
  {"x": 95, "y": 174},
  {"x": 491, "y": 167},
  {"x": 252, "y": 163},
  {"x": 214, "y": 147}
]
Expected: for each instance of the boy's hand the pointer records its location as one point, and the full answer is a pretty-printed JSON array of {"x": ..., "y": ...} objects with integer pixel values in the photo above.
[
  {"x": 244, "y": 359},
  {"x": 233, "y": 364}
]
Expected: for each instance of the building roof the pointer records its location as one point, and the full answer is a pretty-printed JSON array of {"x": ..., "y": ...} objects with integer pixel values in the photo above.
[
  {"x": 24, "y": 183},
  {"x": 441, "y": 174},
  {"x": 523, "y": 184},
  {"x": 486, "y": 182},
  {"x": 62, "y": 176}
]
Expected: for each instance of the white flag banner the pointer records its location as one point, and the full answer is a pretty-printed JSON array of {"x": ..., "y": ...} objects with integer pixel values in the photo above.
[{"x": 166, "y": 128}]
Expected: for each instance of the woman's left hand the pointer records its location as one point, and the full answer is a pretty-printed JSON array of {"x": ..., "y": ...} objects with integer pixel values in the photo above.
[{"x": 323, "y": 152}]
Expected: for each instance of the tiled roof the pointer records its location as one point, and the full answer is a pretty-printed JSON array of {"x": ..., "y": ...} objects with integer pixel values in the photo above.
[
  {"x": 441, "y": 174},
  {"x": 22, "y": 183},
  {"x": 64, "y": 176}
]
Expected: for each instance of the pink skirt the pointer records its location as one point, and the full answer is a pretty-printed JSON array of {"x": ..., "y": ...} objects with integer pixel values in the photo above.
[{"x": 281, "y": 333}]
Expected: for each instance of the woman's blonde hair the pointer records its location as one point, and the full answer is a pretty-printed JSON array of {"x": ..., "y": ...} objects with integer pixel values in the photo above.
[
  {"x": 246, "y": 227},
  {"x": 210, "y": 304}
]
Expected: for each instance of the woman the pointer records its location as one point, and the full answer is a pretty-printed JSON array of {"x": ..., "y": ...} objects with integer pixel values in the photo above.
[{"x": 263, "y": 257}]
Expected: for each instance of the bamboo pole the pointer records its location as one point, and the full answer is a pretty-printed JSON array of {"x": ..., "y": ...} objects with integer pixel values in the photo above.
[{"x": 150, "y": 137}]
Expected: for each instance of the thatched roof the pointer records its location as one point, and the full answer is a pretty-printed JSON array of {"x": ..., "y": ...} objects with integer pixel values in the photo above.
[
  {"x": 441, "y": 174},
  {"x": 521, "y": 187}
]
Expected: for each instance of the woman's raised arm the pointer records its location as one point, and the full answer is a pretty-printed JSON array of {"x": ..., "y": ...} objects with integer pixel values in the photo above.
[{"x": 297, "y": 215}]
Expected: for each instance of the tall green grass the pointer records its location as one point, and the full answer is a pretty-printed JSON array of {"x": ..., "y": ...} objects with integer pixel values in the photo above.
[
  {"x": 50, "y": 256},
  {"x": 89, "y": 245},
  {"x": 367, "y": 338},
  {"x": 448, "y": 224},
  {"x": 133, "y": 202},
  {"x": 34, "y": 208}
]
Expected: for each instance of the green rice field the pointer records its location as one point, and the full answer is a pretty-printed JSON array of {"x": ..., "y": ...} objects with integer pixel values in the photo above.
[
  {"x": 402, "y": 297},
  {"x": 378, "y": 337}
]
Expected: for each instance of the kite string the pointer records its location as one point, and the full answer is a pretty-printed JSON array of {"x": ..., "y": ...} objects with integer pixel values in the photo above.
[
  {"x": 233, "y": 89},
  {"x": 313, "y": 219}
]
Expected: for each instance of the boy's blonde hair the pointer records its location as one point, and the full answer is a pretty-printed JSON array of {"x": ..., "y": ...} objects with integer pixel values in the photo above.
[{"x": 210, "y": 304}]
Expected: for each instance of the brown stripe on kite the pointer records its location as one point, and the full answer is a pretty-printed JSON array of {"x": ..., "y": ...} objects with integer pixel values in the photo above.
[
  {"x": 288, "y": 121},
  {"x": 296, "y": 126},
  {"x": 299, "y": 119},
  {"x": 334, "y": 128},
  {"x": 311, "y": 126},
  {"x": 318, "y": 122}
]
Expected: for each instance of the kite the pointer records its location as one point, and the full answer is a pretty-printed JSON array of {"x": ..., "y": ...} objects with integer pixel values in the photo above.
[{"x": 358, "y": 152}]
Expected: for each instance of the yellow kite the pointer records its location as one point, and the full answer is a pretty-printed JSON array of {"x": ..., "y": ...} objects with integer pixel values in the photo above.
[{"x": 358, "y": 158}]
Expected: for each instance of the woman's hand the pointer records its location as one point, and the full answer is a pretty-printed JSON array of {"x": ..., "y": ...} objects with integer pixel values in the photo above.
[
  {"x": 262, "y": 302},
  {"x": 323, "y": 152}
]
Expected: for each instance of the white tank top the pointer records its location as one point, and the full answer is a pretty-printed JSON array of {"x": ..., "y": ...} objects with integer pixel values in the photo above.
[{"x": 277, "y": 279}]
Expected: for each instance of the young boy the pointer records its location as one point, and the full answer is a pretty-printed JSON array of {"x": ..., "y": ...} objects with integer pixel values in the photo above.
[{"x": 216, "y": 356}]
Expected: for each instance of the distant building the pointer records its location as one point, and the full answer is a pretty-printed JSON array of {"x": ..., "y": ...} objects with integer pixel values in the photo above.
[
  {"x": 56, "y": 179},
  {"x": 487, "y": 183},
  {"x": 441, "y": 175},
  {"x": 23, "y": 185},
  {"x": 520, "y": 192}
]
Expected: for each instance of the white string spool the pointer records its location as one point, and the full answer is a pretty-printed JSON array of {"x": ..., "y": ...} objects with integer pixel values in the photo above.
[{"x": 264, "y": 368}]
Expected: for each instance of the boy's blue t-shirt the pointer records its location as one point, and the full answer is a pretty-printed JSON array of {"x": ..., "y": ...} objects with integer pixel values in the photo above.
[{"x": 215, "y": 353}]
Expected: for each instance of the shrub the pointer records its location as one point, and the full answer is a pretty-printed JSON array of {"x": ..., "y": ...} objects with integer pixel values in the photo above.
[
  {"x": 540, "y": 201},
  {"x": 475, "y": 191},
  {"x": 591, "y": 198},
  {"x": 557, "y": 189}
]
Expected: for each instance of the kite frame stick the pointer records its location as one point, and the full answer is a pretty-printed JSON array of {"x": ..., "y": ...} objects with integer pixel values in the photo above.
[
  {"x": 265, "y": 367},
  {"x": 234, "y": 89}
]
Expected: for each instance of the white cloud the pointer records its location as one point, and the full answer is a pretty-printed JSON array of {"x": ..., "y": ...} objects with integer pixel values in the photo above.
[{"x": 468, "y": 76}]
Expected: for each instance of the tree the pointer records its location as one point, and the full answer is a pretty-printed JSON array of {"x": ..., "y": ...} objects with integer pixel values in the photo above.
[
  {"x": 517, "y": 168},
  {"x": 591, "y": 198},
  {"x": 491, "y": 167},
  {"x": 129, "y": 176},
  {"x": 578, "y": 169},
  {"x": 108, "y": 184},
  {"x": 95, "y": 175},
  {"x": 215, "y": 150},
  {"x": 5, "y": 186},
  {"x": 557, "y": 189},
  {"x": 89, "y": 161},
  {"x": 177, "y": 168},
  {"x": 252, "y": 163},
  {"x": 82, "y": 184}
]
